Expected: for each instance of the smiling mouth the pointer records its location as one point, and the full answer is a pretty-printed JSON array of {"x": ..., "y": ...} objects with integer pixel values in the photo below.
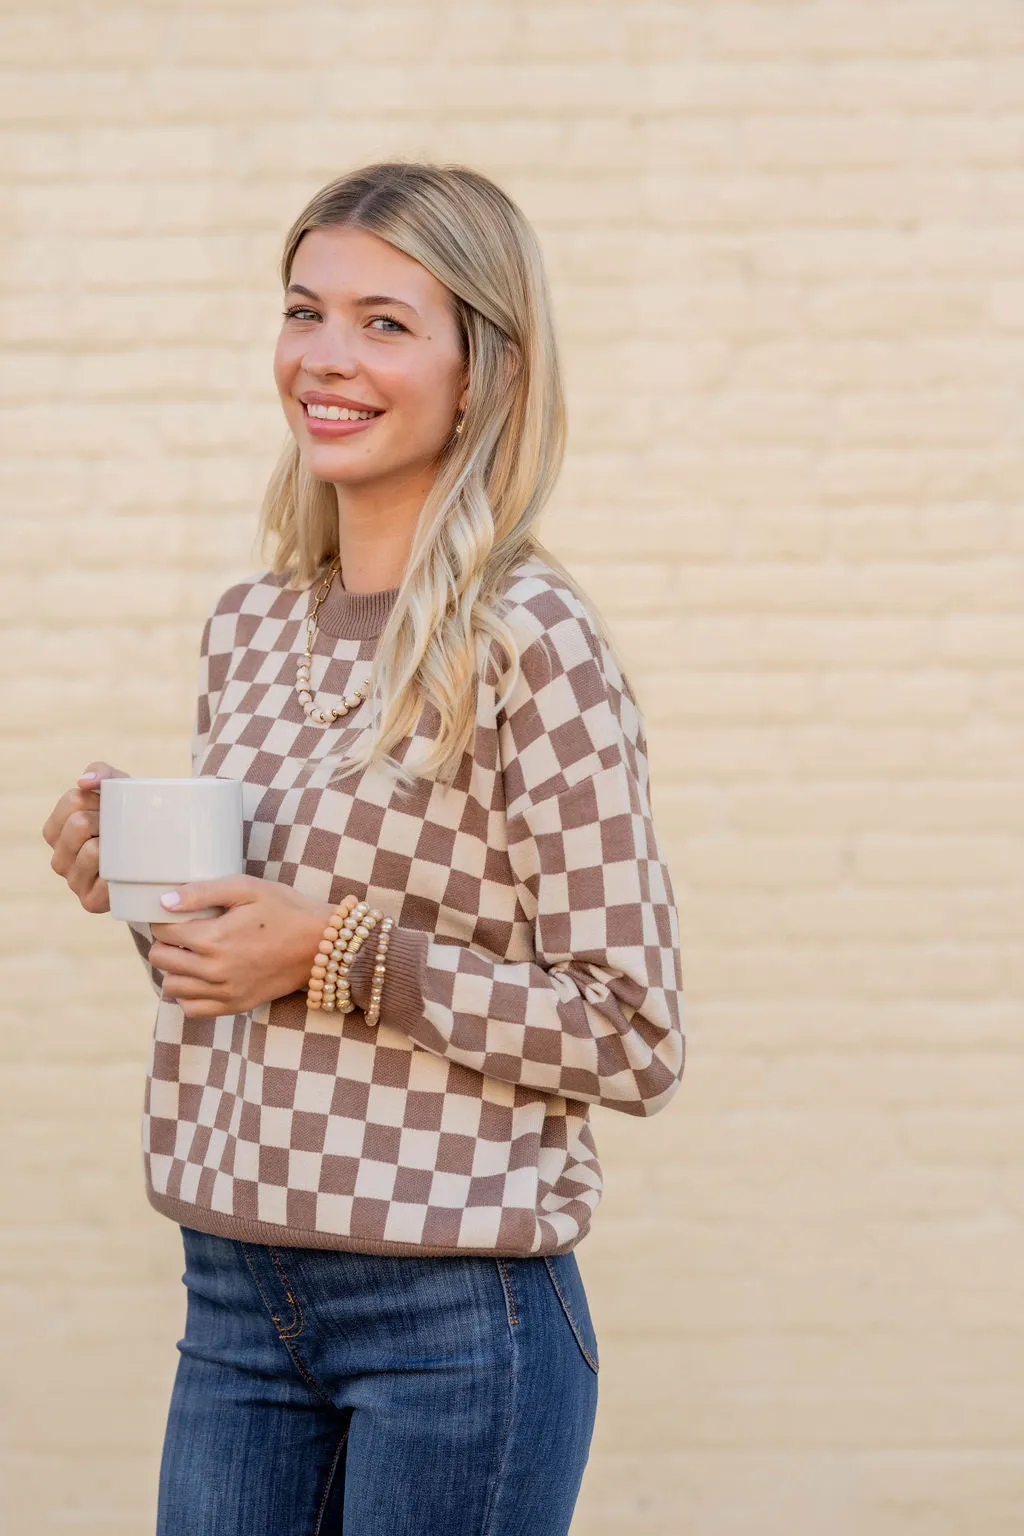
[{"x": 317, "y": 412}]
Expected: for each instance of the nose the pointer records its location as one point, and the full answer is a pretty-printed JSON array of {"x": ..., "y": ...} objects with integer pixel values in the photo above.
[{"x": 331, "y": 349}]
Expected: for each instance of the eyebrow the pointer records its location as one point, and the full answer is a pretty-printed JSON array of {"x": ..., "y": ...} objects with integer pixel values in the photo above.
[{"x": 368, "y": 298}]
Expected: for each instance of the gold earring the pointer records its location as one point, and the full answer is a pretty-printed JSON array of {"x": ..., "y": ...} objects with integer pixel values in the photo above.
[{"x": 458, "y": 424}]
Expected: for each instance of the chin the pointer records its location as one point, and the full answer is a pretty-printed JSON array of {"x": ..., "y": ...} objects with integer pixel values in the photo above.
[{"x": 342, "y": 470}]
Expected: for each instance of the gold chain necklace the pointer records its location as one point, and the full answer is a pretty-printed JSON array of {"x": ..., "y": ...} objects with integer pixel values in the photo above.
[{"x": 318, "y": 714}]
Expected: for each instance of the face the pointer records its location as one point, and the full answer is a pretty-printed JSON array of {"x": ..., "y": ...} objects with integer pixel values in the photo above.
[{"x": 367, "y": 328}]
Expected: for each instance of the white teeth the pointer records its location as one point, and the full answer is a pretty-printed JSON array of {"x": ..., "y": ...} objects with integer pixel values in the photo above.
[{"x": 338, "y": 413}]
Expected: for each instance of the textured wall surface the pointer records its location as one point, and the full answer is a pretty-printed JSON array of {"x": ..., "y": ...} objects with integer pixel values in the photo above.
[{"x": 787, "y": 245}]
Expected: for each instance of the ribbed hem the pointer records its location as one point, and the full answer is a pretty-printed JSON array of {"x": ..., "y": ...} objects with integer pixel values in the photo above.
[
  {"x": 242, "y": 1229},
  {"x": 354, "y": 615},
  {"x": 402, "y": 997}
]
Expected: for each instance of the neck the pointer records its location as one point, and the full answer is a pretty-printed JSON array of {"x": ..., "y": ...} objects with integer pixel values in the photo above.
[{"x": 376, "y": 526}]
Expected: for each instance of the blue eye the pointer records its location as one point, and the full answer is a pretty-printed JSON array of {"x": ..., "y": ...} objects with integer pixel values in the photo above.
[{"x": 299, "y": 309}]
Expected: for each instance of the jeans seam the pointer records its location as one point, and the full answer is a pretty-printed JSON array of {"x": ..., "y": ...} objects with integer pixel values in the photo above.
[
  {"x": 571, "y": 1320},
  {"x": 330, "y": 1479},
  {"x": 304, "y": 1372},
  {"x": 266, "y": 1300},
  {"x": 307, "y": 1375},
  {"x": 287, "y": 1336},
  {"x": 294, "y": 1331},
  {"x": 506, "y": 1285},
  {"x": 513, "y": 1368}
]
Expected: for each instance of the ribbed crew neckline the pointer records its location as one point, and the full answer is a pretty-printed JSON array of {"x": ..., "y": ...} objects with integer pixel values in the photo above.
[{"x": 354, "y": 615}]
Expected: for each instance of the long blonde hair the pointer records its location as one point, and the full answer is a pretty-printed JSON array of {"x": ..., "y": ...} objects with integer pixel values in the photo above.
[{"x": 493, "y": 478}]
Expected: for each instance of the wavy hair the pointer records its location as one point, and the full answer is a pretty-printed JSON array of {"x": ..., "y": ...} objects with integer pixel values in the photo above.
[{"x": 493, "y": 478}]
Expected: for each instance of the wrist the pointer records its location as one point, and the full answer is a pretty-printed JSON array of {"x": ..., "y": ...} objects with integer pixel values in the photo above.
[{"x": 314, "y": 920}]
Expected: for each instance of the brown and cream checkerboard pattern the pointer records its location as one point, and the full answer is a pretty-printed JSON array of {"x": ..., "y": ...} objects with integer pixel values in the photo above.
[{"x": 534, "y": 967}]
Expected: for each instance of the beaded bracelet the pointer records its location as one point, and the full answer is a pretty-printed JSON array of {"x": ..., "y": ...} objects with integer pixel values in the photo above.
[
  {"x": 347, "y": 928},
  {"x": 325, "y": 957},
  {"x": 358, "y": 924},
  {"x": 379, "y": 964}
]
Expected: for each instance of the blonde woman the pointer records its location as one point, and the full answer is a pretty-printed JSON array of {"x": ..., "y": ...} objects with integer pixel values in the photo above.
[{"x": 368, "y": 1091}]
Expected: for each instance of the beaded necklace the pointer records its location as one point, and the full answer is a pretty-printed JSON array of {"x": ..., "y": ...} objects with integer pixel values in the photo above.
[{"x": 319, "y": 714}]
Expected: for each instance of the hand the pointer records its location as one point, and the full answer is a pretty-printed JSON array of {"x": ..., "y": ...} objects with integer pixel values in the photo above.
[
  {"x": 262, "y": 947},
  {"x": 72, "y": 830}
]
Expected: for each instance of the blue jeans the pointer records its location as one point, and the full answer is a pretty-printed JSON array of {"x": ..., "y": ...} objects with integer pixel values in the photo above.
[{"x": 319, "y": 1391}]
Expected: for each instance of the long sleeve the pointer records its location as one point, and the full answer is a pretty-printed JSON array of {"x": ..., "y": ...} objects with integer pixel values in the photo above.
[
  {"x": 142, "y": 935},
  {"x": 596, "y": 1014},
  {"x": 215, "y": 648}
]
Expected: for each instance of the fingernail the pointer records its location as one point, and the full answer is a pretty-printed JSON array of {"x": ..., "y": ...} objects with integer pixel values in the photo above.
[
  {"x": 90, "y": 775},
  {"x": 170, "y": 899}
]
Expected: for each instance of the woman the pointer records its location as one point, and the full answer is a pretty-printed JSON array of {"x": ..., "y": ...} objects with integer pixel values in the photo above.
[{"x": 372, "y": 1127}]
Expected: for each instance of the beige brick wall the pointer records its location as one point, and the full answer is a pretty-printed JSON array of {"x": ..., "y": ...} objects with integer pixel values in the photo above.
[{"x": 787, "y": 244}]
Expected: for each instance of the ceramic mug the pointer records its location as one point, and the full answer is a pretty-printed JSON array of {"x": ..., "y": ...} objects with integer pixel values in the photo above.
[{"x": 158, "y": 833}]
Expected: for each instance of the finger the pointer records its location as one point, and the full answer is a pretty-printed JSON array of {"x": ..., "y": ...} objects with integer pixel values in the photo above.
[
  {"x": 232, "y": 891},
  {"x": 96, "y": 897},
  {"x": 198, "y": 935},
  {"x": 79, "y": 827},
  {"x": 183, "y": 963},
  {"x": 85, "y": 872},
  {"x": 193, "y": 997},
  {"x": 52, "y": 826},
  {"x": 93, "y": 773},
  {"x": 188, "y": 987},
  {"x": 205, "y": 1008},
  {"x": 85, "y": 797},
  {"x": 77, "y": 830}
]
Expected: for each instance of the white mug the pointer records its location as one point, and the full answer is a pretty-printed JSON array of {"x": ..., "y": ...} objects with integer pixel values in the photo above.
[{"x": 157, "y": 833}]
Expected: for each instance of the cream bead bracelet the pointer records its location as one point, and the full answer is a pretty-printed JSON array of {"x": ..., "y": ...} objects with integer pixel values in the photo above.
[
  {"x": 347, "y": 930},
  {"x": 379, "y": 965}
]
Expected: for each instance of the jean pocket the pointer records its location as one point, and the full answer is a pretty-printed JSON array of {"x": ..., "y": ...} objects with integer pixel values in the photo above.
[{"x": 568, "y": 1283}]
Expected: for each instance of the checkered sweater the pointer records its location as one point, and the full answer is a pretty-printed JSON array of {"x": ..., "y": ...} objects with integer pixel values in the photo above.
[{"x": 533, "y": 969}]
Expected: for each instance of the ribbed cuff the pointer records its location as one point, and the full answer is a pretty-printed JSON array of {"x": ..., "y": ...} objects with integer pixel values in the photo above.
[{"x": 402, "y": 997}]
